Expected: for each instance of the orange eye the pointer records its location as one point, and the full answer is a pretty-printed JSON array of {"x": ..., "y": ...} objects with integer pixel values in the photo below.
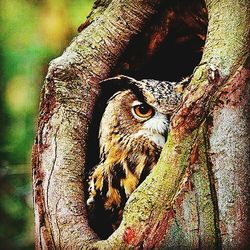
[{"x": 143, "y": 111}]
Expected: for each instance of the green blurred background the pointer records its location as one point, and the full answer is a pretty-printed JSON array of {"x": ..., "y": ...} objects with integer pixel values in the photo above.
[{"x": 32, "y": 33}]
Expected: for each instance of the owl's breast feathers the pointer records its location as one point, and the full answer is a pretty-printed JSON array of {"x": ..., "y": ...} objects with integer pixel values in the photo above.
[{"x": 122, "y": 168}]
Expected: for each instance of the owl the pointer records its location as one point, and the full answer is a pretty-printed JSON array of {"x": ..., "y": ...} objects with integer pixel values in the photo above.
[{"x": 132, "y": 132}]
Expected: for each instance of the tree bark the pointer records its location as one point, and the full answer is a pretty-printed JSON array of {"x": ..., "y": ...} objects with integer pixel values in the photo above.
[
  {"x": 67, "y": 100},
  {"x": 198, "y": 194}
]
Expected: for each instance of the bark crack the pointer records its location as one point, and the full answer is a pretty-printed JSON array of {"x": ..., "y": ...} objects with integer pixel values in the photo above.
[
  {"x": 198, "y": 220},
  {"x": 218, "y": 240},
  {"x": 48, "y": 186}
]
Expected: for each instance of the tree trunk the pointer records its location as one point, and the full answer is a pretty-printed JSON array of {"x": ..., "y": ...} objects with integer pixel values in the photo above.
[{"x": 198, "y": 194}]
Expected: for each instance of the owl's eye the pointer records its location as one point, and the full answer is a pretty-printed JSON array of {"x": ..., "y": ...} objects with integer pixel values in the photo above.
[{"x": 143, "y": 111}]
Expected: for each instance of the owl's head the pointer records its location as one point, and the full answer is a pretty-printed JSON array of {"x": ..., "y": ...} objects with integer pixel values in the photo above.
[
  {"x": 128, "y": 117},
  {"x": 138, "y": 111}
]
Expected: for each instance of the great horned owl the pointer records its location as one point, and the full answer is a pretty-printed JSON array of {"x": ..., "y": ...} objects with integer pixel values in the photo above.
[{"x": 132, "y": 132}]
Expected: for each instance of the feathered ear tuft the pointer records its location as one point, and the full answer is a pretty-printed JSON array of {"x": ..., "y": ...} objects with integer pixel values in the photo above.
[{"x": 112, "y": 85}]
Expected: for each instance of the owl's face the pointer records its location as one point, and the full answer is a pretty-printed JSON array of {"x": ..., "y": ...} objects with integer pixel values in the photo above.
[{"x": 129, "y": 121}]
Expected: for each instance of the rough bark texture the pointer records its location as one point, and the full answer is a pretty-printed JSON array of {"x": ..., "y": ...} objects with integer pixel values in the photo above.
[
  {"x": 198, "y": 194},
  {"x": 179, "y": 203},
  {"x": 68, "y": 96}
]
